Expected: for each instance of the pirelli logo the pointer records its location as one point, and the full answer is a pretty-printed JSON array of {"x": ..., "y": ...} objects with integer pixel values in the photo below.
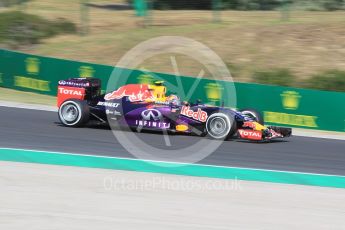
[{"x": 291, "y": 119}]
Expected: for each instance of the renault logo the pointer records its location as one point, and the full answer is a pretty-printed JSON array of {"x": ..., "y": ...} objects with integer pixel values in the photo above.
[{"x": 151, "y": 114}]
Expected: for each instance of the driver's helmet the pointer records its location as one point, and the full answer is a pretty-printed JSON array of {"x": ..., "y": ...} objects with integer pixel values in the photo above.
[
  {"x": 158, "y": 90},
  {"x": 174, "y": 100}
]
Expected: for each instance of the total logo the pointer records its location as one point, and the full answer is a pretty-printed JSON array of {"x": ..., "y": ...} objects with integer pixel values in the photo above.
[
  {"x": 198, "y": 115},
  {"x": 250, "y": 134},
  {"x": 67, "y": 91},
  {"x": 108, "y": 104}
]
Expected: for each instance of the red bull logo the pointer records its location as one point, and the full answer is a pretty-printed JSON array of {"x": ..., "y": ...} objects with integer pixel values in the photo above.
[
  {"x": 249, "y": 124},
  {"x": 134, "y": 92},
  {"x": 199, "y": 115},
  {"x": 253, "y": 125}
]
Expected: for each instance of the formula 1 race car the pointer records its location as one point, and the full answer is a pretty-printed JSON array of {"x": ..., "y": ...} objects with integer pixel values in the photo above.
[{"x": 146, "y": 107}]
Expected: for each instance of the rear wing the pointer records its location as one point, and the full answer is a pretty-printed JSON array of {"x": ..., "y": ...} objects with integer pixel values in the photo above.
[{"x": 78, "y": 88}]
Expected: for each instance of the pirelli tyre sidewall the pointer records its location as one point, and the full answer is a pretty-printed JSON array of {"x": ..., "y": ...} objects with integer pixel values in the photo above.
[
  {"x": 74, "y": 113},
  {"x": 220, "y": 126}
]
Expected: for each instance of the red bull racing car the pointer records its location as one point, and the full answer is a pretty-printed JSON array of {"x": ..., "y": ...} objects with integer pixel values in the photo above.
[{"x": 147, "y": 107}]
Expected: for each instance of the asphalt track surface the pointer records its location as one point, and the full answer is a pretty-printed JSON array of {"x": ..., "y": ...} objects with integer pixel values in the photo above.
[{"x": 41, "y": 130}]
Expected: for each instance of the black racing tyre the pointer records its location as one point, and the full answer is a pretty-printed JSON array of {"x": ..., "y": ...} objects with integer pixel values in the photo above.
[
  {"x": 254, "y": 114},
  {"x": 74, "y": 113},
  {"x": 220, "y": 126}
]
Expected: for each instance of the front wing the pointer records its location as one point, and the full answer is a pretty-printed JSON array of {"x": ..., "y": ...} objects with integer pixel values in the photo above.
[{"x": 257, "y": 132}]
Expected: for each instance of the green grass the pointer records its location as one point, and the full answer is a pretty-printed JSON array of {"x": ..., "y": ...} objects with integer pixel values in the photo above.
[
  {"x": 282, "y": 77},
  {"x": 330, "y": 80},
  {"x": 18, "y": 28},
  {"x": 25, "y": 97}
]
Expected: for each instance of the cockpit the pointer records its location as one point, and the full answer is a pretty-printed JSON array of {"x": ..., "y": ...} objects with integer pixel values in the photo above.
[{"x": 158, "y": 91}]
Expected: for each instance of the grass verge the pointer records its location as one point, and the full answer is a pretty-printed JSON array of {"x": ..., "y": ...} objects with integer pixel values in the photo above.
[
  {"x": 25, "y": 97},
  {"x": 18, "y": 28}
]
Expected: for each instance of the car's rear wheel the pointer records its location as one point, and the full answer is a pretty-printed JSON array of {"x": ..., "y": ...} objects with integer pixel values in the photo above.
[
  {"x": 74, "y": 113},
  {"x": 220, "y": 126},
  {"x": 254, "y": 114}
]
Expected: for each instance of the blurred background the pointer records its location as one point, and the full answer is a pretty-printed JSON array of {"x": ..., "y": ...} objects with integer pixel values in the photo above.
[{"x": 299, "y": 43}]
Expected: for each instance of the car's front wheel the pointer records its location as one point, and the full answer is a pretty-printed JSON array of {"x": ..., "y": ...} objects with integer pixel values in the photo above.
[
  {"x": 220, "y": 126},
  {"x": 74, "y": 113}
]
